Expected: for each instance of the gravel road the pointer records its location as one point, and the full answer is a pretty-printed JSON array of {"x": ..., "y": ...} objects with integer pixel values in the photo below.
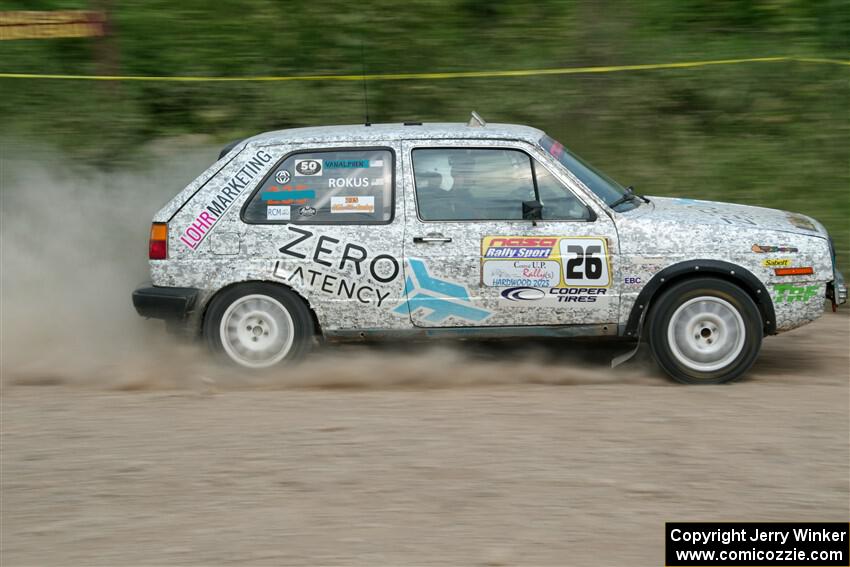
[{"x": 479, "y": 456}]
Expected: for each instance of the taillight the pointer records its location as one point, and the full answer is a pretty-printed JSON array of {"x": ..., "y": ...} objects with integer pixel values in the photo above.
[{"x": 158, "y": 249}]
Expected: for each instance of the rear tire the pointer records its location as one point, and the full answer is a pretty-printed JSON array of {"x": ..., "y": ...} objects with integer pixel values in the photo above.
[
  {"x": 705, "y": 331},
  {"x": 258, "y": 326}
]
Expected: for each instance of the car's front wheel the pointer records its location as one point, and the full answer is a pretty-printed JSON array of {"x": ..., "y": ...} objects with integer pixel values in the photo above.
[
  {"x": 705, "y": 331},
  {"x": 258, "y": 325}
]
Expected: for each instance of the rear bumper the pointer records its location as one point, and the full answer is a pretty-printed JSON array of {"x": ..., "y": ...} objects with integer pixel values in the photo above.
[{"x": 168, "y": 303}]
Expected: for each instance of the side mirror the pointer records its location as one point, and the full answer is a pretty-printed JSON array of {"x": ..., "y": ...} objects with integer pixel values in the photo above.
[{"x": 532, "y": 210}]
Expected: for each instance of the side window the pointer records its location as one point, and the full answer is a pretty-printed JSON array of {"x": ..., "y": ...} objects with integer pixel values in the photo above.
[
  {"x": 558, "y": 202},
  {"x": 326, "y": 187},
  {"x": 472, "y": 183}
]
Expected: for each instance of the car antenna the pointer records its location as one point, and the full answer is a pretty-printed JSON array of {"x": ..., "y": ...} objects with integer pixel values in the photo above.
[
  {"x": 365, "y": 88},
  {"x": 475, "y": 121}
]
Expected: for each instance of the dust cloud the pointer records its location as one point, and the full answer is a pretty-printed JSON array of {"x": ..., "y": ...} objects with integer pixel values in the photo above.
[{"x": 74, "y": 246}]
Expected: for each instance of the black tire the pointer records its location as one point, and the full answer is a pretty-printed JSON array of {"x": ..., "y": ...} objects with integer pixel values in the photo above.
[
  {"x": 241, "y": 343},
  {"x": 704, "y": 351}
]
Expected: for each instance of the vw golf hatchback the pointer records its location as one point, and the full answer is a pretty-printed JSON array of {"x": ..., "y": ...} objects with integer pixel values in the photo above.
[{"x": 470, "y": 230}]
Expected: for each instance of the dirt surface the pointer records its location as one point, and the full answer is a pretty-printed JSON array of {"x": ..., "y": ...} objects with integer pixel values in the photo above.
[{"x": 480, "y": 456}]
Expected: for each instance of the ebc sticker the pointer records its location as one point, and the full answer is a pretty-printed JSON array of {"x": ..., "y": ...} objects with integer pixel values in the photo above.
[
  {"x": 308, "y": 167},
  {"x": 194, "y": 234},
  {"x": 545, "y": 262}
]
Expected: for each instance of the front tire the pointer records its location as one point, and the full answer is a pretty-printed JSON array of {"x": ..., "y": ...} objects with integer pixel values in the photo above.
[
  {"x": 258, "y": 325},
  {"x": 705, "y": 331}
]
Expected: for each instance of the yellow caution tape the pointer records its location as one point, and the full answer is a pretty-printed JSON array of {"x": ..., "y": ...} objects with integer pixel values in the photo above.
[{"x": 433, "y": 76}]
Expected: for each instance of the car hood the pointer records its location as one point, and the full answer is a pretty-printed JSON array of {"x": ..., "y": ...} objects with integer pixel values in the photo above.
[{"x": 692, "y": 211}]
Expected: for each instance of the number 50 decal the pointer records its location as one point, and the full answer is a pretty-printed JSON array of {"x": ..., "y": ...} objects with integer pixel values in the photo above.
[{"x": 585, "y": 262}]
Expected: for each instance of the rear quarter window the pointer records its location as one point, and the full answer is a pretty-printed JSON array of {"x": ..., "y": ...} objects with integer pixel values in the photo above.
[{"x": 347, "y": 186}]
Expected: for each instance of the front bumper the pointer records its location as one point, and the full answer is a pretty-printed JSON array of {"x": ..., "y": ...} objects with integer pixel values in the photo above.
[
  {"x": 836, "y": 290},
  {"x": 169, "y": 303}
]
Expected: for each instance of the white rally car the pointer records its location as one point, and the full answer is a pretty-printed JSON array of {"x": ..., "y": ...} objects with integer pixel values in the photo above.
[{"x": 470, "y": 230}]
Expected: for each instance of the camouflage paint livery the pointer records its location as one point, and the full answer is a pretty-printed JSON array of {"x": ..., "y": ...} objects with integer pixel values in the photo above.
[{"x": 382, "y": 277}]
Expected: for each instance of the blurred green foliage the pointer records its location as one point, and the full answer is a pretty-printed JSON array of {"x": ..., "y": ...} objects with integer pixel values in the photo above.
[{"x": 772, "y": 134}]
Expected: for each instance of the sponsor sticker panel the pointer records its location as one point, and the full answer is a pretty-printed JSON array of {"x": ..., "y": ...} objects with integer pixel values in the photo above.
[
  {"x": 545, "y": 262},
  {"x": 340, "y": 187}
]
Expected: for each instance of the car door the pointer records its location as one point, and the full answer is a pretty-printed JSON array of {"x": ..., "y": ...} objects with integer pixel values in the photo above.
[{"x": 471, "y": 259}]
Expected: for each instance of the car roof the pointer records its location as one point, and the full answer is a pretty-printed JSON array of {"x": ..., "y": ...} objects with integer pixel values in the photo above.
[{"x": 387, "y": 132}]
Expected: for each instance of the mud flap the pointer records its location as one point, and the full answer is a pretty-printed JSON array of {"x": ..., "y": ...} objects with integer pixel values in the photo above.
[{"x": 626, "y": 356}]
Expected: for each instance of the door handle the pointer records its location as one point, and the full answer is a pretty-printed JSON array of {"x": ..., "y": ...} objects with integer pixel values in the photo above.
[{"x": 431, "y": 237}]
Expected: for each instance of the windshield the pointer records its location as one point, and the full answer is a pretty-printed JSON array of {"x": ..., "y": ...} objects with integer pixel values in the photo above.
[{"x": 605, "y": 188}]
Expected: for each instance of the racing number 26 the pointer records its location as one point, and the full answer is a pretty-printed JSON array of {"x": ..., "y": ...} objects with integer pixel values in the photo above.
[
  {"x": 585, "y": 262},
  {"x": 592, "y": 265}
]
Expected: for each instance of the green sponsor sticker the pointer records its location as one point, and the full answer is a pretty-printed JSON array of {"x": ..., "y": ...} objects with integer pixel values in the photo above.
[{"x": 791, "y": 293}]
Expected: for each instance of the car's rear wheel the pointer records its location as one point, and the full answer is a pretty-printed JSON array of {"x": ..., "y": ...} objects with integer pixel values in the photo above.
[
  {"x": 705, "y": 331},
  {"x": 258, "y": 325}
]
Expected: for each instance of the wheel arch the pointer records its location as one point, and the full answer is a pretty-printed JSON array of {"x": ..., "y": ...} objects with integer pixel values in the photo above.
[
  {"x": 209, "y": 300},
  {"x": 683, "y": 271}
]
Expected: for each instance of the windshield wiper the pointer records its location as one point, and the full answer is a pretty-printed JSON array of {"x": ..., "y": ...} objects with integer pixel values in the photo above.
[
  {"x": 629, "y": 195},
  {"x": 641, "y": 197},
  {"x": 626, "y": 197}
]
